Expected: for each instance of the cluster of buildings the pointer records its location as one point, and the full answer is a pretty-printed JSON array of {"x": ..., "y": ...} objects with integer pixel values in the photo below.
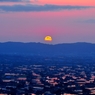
[{"x": 47, "y": 79}]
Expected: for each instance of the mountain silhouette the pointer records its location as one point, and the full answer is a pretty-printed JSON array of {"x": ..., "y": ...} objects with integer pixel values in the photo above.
[{"x": 65, "y": 49}]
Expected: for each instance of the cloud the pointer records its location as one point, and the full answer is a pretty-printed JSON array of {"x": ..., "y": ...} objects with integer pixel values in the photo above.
[
  {"x": 14, "y": 0},
  {"x": 38, "y": 8},
  {"x": 86, "y": 21},
  {"x": 10, "y": 0},
  {"x": 90, "y": 21}
]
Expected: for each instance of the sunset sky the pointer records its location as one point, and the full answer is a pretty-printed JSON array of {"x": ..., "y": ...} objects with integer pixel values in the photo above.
[{"x": 67, "y": 21}]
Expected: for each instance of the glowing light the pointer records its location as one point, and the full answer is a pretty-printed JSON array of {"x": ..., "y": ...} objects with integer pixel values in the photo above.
[{"x": 48, "y": 38}]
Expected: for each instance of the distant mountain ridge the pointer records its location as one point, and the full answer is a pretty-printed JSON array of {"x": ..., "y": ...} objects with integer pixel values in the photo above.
[{"x": 65, "y": 49}]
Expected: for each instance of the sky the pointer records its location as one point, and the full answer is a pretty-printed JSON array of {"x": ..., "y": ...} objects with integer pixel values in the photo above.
[{"x": 66, "y": 21}]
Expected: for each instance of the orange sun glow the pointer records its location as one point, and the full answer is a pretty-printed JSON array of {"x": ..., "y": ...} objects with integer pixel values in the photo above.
[{"x": 48, "y": 38}]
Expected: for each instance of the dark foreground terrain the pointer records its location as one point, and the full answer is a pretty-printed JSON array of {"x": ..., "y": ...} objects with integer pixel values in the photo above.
[{"x": 36, "y": 75}]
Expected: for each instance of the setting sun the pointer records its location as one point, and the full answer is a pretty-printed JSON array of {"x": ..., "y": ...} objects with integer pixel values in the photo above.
[{"x": 48, "y": 38}]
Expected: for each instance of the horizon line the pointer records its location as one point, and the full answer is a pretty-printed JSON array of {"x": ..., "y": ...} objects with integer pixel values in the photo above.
[{"x": 46, "y": 43}]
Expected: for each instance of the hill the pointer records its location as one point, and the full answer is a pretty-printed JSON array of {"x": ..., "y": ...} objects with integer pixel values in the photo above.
[{"x": 69, "y": 49}]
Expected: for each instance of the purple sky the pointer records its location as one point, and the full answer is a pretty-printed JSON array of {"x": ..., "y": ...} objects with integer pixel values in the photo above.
[{"x": 32, "y": 20}]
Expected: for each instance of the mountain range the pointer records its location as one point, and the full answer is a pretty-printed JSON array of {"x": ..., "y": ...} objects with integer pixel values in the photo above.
[{"x": 40, "y": 49}]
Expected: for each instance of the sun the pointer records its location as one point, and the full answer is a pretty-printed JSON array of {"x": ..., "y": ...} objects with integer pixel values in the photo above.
[{"x": 48, "y": 38}]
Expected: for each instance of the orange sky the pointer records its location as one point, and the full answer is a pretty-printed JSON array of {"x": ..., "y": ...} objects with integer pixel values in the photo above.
[
  {"x": 57, "y": 2},
  {"x": 68, "y": 2}
]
